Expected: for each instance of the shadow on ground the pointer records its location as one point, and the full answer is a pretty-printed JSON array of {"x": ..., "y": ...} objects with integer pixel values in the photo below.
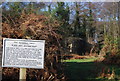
[
  {"x": 85, "y": 71},
  {"x": 79, "y": 71}
]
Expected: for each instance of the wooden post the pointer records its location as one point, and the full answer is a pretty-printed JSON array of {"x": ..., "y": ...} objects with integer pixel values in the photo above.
[{"x": 22, "y": 76}]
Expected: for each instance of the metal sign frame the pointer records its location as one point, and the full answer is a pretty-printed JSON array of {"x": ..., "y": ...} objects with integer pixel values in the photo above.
[{"x": 34, "y": 44}]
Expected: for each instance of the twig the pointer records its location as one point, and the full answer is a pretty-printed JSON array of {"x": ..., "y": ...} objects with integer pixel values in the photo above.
[
  {"x": 6, "y": 18},
  {"x": 11, "y": 19}
]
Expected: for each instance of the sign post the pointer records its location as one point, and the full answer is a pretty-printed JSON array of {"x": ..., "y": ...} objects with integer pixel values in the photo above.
[
  {"x": 22, "y": 53},
  {"x": 22, "y": 75}
]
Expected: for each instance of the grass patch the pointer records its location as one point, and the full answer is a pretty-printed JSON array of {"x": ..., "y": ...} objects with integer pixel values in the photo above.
[
  {"x": 86, "y": 70},
  {"x": 81, "y": 60}
]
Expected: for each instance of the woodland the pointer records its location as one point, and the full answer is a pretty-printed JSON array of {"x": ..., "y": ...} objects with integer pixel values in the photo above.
[{"x": 82, "y": 39}]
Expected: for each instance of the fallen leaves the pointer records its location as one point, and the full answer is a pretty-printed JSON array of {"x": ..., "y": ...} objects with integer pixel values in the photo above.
[{"x": 37, "y": 27}]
